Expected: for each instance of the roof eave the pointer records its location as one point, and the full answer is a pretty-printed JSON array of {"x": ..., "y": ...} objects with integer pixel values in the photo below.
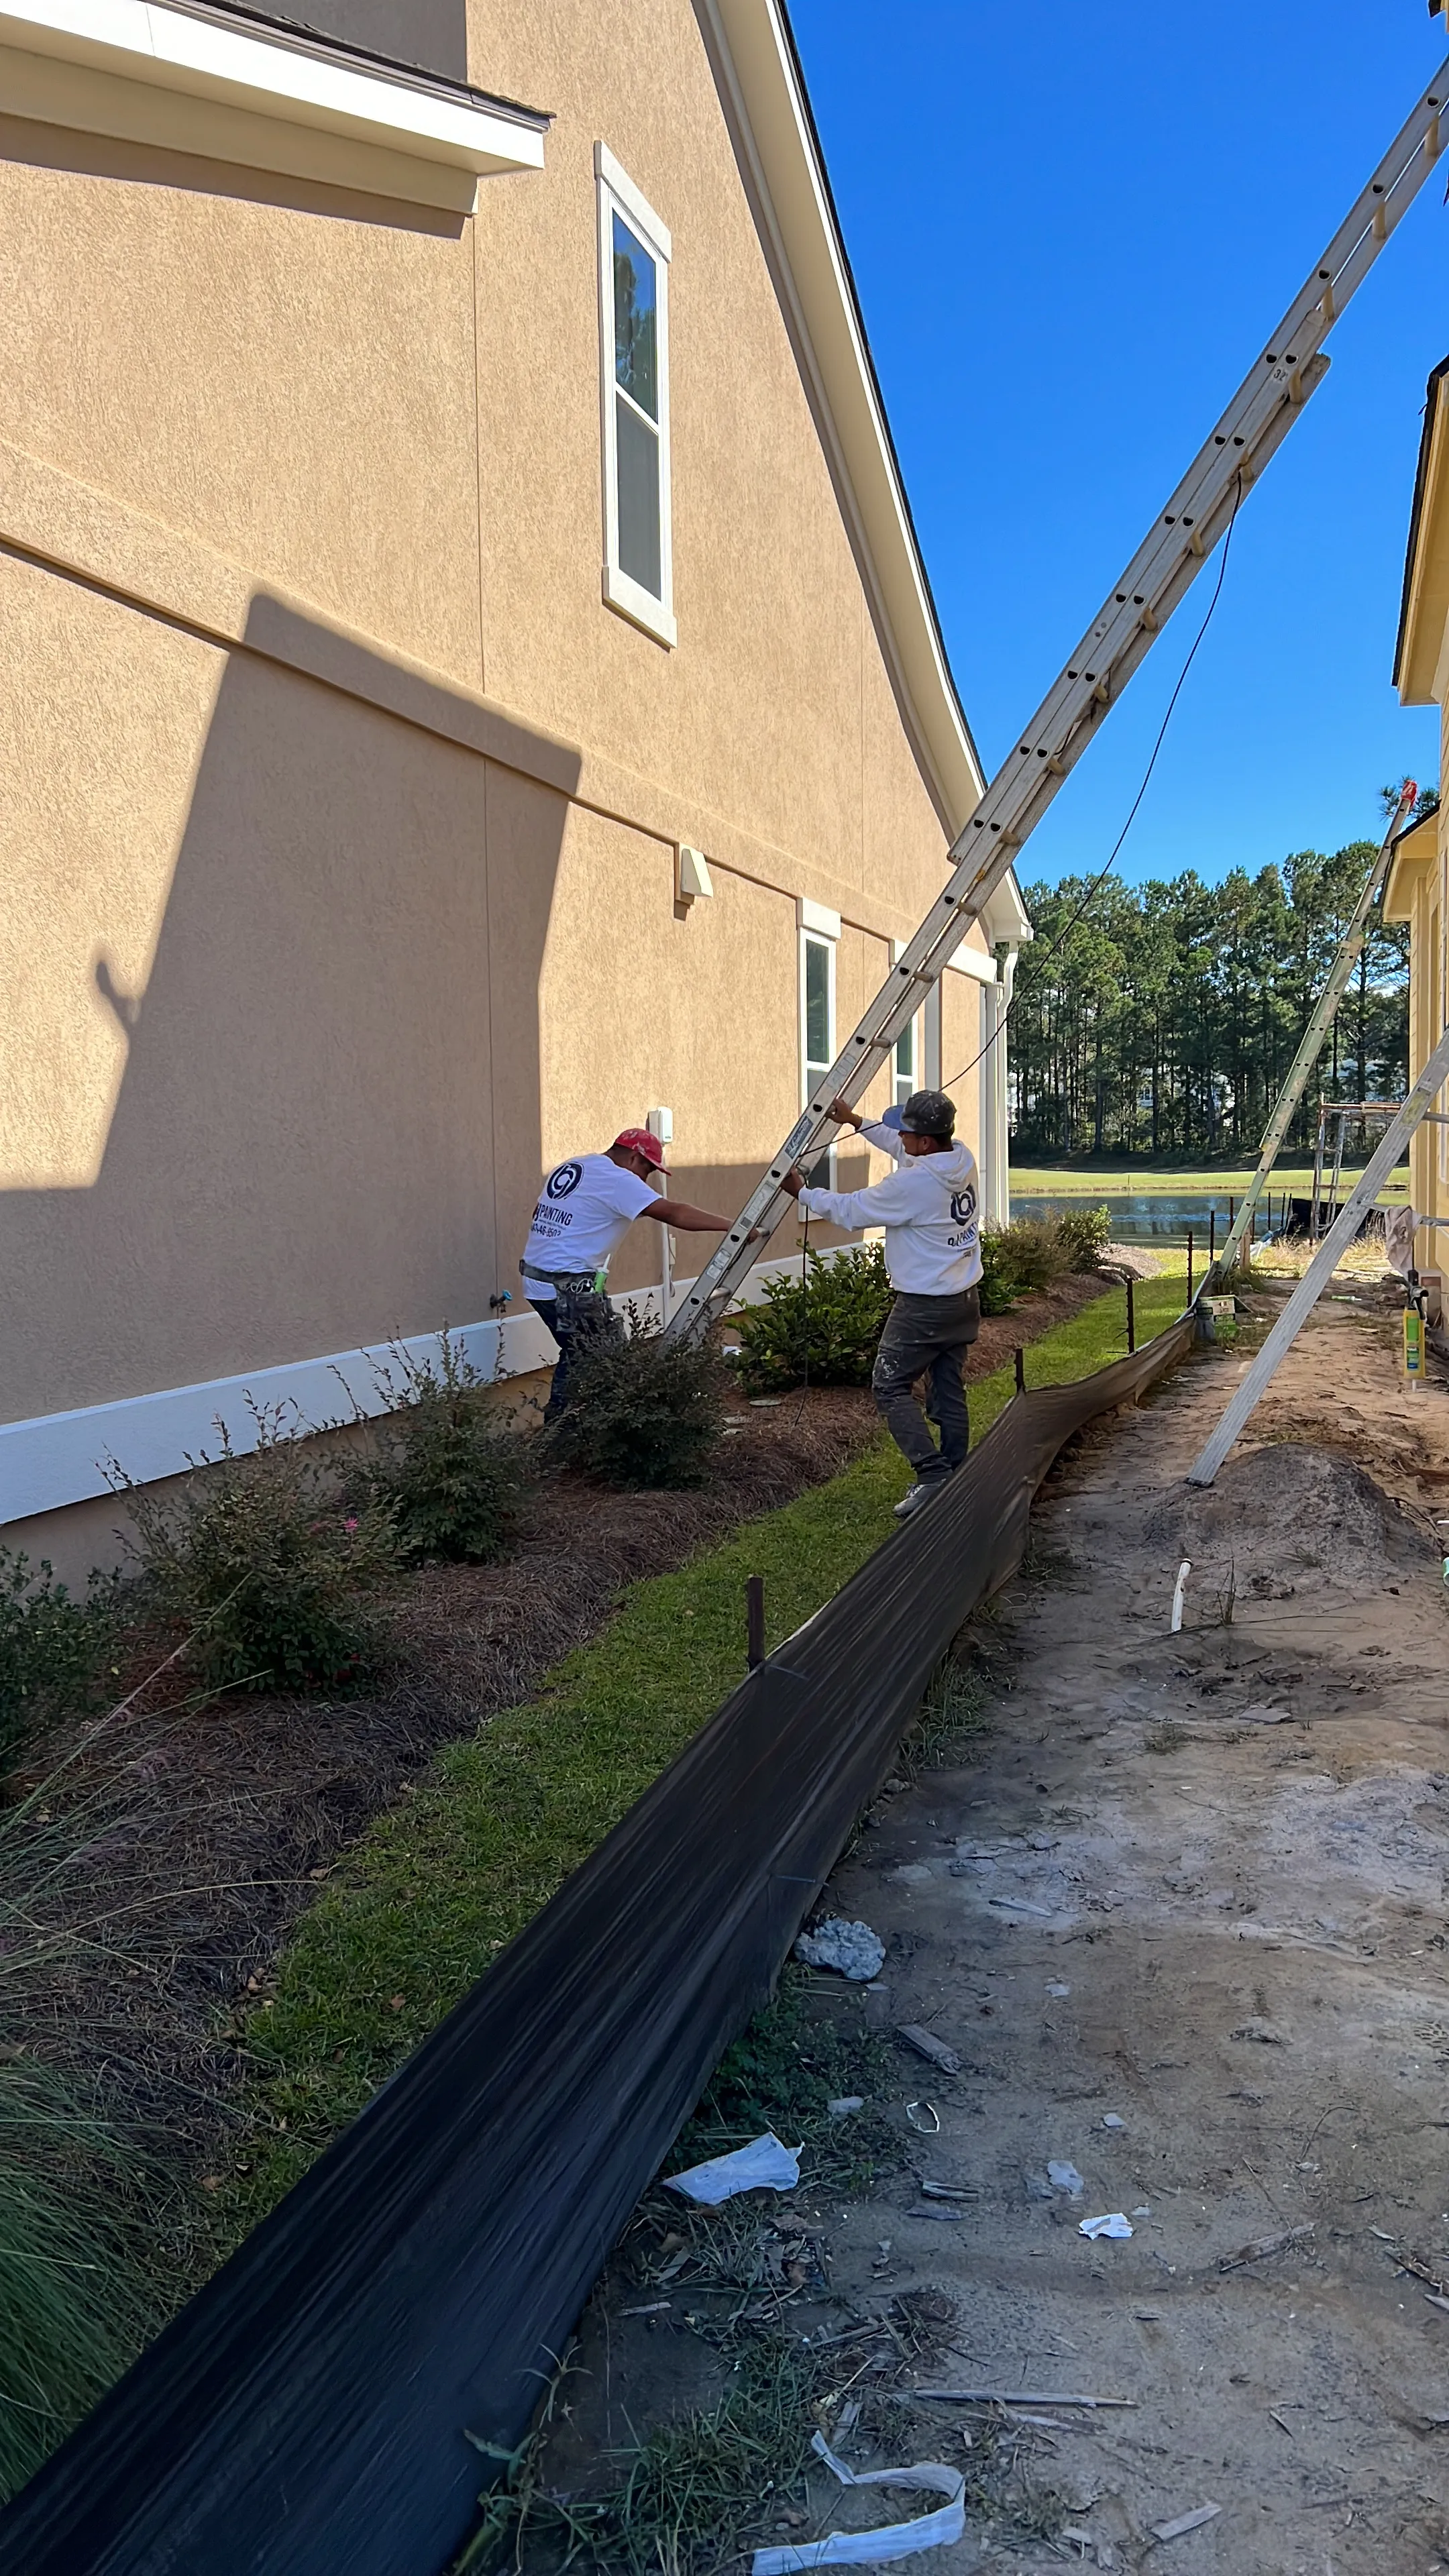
[{"x": 763, "y": 92}]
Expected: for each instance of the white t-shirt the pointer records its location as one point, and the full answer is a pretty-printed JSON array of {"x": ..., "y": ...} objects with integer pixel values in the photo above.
[{"x": 586, "y": 1207}]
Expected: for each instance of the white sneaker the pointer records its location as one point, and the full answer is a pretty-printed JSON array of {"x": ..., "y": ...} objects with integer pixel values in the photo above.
[{"x": 918, "y": 1495}]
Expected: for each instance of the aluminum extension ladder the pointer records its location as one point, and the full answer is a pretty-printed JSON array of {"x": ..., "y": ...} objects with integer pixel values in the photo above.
[
  {"x": 1410, "y": 1115},
  {"x": 1325, "y": 1012},
  {"x": 1163, "y": 569}
]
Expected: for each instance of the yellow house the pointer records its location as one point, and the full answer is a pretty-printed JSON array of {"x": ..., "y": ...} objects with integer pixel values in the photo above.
[
  {"x": 1418, "y": 887},
  {"x": 470, "y": 681}
]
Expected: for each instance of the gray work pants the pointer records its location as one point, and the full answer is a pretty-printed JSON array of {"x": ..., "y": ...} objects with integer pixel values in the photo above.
[
  {"x": 927, "y": 1337},
  {"x": 581, "y": 1318}
]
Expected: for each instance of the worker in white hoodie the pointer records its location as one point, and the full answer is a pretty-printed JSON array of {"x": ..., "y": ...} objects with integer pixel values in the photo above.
[{"x": 929, "y": 1208}]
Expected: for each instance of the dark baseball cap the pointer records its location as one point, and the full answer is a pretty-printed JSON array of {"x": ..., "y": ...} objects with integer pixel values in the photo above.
[{"x": 929, "y": 1113}]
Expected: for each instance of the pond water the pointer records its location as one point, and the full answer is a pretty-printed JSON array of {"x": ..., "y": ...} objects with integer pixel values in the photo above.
[{"x": 1151, "y": 1216}]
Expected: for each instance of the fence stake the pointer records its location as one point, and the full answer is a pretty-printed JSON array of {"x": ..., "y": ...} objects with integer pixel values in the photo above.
[
  {"x": 755, "y": 1621},
  {"x": 1212, "y": 1235},
  {"x": 1131, "y": 1313},
  {"x": 1189, "y": 1265},
  {"x": 1021, "y": 1372}
]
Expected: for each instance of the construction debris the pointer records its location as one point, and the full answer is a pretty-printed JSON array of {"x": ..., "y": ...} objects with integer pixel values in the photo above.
[
  {"x": 1186, "y": 2522},
  {"x": 764, "y": 2165},
  {"x": 926, "y": 2044},
  {"x": 895, "y": 2539},
  {"x": 1263, "y": 2246},
  {"x": 852, "y": 1948}
]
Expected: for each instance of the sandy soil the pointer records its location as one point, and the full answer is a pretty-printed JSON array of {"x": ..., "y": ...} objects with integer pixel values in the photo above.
[{"x": 1182, "y": 1917}]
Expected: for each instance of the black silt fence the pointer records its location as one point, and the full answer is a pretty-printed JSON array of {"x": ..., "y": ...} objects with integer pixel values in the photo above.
[{"x": 305, "y": 2414}]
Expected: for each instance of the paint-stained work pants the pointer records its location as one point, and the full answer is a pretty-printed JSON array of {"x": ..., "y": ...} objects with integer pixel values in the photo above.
[{"x": 927, "y": 1337}]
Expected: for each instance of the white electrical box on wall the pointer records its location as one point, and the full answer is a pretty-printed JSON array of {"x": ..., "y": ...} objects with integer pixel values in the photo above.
[{"x": 660, "y": 1123}]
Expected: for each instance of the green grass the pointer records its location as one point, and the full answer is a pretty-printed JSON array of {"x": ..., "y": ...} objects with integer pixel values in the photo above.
[
  {"x": 435, "y": 1889},
  {"x": 1209, "y": 1180}
]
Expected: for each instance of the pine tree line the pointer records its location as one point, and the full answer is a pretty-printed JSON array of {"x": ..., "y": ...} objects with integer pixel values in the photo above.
[{"x": 1167, "y": 1022}]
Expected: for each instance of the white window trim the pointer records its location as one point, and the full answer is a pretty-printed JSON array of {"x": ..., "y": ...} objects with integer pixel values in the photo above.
[
  {"x": 88, "y": 63},
  {"x": 617, "y": 192},
  {"x": 817, "y": 917},
  {"x": 919, "y": 1034}
]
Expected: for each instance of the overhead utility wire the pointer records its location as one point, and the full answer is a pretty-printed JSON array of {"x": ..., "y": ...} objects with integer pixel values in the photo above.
[{"x": 1095, "y": 888}]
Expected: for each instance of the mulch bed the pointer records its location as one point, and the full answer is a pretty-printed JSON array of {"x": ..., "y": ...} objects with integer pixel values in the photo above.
[{"x": 211, "y": 1828}]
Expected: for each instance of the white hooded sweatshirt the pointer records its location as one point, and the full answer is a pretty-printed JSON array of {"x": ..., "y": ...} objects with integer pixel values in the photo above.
[{"x": 929, "y": 1208}]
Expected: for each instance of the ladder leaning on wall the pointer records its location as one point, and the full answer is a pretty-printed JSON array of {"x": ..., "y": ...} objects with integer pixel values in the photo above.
[{"x": 1166, "y": 564}]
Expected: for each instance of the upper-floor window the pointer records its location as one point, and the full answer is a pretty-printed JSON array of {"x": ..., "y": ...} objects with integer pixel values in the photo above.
[{"x": 634, "y": 251}]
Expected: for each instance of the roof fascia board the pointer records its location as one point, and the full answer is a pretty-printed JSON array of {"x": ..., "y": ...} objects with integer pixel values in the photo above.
[
  {"x": 1425, "y": 602},
  {"x": 1414, "y": 851},
  {"x": 764, "y": 96},
  {"x": 92, "y": 63}
]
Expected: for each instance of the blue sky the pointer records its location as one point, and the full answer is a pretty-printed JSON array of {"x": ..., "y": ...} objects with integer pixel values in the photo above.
[{"x": 1072, "y": 230}]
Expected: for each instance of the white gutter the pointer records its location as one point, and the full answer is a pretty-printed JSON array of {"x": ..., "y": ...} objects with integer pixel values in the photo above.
[{"x": 87, "y": 63}]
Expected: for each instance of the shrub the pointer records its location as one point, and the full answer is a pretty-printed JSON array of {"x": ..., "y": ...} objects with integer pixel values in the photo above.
[
  {"x": 55, "y": 1652},
  {"x": 826, "y": 1324},
  {"x": 1084, "y": 1234},
  {"x": 1031, "y": 1251},
  {"x": 1000, "y": 1287},
  {"x": 448, "y": 1476},
  {"x": 260, "y": 1560},
  {"x": 643, "y": 1412}
]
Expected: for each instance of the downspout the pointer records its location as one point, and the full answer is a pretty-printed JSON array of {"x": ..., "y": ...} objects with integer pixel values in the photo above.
[{"x": 996, "y": 1119}]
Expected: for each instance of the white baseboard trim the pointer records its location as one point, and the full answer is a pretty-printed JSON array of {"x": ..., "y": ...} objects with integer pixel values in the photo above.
[{"x": 60, "y": 1458}]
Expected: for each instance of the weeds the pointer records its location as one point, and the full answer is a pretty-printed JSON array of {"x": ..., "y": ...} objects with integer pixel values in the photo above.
[
  {"x": 447, "y": 1475},
  {"x": 644, "y": 1412},
  {"x": 71, "y": 2315},
  {"x": 263, "y": 1563},
  {"x": 780, "y": 2074},
  {"x": 1169, "y": 1737}
]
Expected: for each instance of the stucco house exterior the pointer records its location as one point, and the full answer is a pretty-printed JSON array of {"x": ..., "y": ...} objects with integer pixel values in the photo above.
[
  {"x": 1418, "y": 887},
  {"x": 470, "y": 681}
]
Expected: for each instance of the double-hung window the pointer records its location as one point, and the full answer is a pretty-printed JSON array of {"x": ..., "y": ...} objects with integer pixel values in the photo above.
[
  {"x": 906, "y": 1070},
  {"x": 818, "y": 935},
  {"x": 634, "y": 252}
]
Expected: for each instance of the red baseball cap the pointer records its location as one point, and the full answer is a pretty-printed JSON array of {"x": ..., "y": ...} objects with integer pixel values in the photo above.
[{"x": 638, "y": 1140}]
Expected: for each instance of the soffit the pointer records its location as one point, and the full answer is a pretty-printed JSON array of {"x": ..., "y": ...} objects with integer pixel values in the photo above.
[
  {"x": 1425, "y": 608},
  {"x": 764, "y": 96},
  {"x": 230, "y": 86},
  {"x": 1414, "y": 851}
]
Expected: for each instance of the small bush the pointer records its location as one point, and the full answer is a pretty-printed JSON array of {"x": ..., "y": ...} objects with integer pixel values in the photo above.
[
  {"x": 1000, "y": 1286},
  {"x": 55, "y": 1652},
  {"x": 1084, "y": 1234},
  {"x": 260, "y": 1560},
  {"x": 643, "y": 1412},
  {"x": 448, "y": 1476},
  {"x": 1032, "y": 1251},
  {"x": 826, "y": 1325}
]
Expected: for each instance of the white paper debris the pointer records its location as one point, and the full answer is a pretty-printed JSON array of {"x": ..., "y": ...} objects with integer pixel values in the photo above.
[
  {"x": 853, "y": 1948},
  {"x": 1113, "y": 2120},
  {"x": 1115, "y": 2225},
  {"x": 1064, "y": 2177},
  {"x": 876, "y": 2548},
  {"x": 764, "y": 2165},
  {"x": 847, "y": 2103},
  {"x": 1056, "y": 1988}
]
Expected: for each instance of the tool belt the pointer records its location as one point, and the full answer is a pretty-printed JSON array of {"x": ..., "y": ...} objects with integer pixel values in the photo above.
[{"x": 557, "y": 1279}]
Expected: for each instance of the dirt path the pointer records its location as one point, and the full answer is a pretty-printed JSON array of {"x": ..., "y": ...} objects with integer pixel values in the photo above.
[{"x": 1182, "y": 1919}]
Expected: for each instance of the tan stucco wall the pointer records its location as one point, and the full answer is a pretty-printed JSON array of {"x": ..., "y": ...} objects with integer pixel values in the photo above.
[{"x": 299, "y": 997}]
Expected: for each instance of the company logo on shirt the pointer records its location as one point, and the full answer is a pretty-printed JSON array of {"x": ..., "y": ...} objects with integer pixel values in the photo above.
[
  {"x": 566, "y": 1178},
  {"x": 963, "y": 1205}
]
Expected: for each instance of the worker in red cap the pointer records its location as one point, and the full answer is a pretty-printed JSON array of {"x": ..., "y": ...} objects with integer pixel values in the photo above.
[{"x": 586, "y": 1207}]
